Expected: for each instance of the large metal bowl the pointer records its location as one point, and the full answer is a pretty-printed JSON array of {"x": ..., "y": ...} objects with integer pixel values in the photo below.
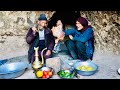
[
  {"x": 87, "y": 63},
  {"x": 12, "y": 70},
  {"x": 118, "y": 71}
]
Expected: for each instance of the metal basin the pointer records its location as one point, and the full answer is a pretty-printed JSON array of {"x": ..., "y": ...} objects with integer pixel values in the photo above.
[
  {"x": 118, "y": 71},
  {"x": 12, "y": 70},
  {"x": 86, "y": 63}
]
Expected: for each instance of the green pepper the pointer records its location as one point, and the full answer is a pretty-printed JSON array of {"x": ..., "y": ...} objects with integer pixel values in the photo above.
[
  {"x": 60, "y": 75},
  {"x": 71, "y": 76},
  {"x": 62, "y": 72},
  {"x": 68, "y": 76}
]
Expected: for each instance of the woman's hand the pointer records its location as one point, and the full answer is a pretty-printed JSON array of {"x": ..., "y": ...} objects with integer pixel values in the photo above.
[
  {"x": 62, "y": 36},
  {"x": 71, "y": 37},
  {"x": 56, "y": 41},
  {"x": 48, "y": 52}
]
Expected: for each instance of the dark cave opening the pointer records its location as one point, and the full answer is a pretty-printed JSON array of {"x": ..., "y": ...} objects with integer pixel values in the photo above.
[{"x": 67, "y": 18}]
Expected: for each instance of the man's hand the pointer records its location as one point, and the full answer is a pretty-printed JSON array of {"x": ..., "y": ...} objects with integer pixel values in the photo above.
[
  {"x": 34, "y": 29},
  {"x": 71, "y": 37},
  {"x": 48, "y": 52}
]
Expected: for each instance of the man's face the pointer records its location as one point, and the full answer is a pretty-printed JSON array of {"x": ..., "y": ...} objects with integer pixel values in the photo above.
[
  {"x": 79, "y": 26},
  {"x": 42, "y": 23}
]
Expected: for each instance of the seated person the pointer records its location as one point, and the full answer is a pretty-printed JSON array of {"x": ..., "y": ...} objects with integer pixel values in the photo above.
[
  {"x": 41, "y": 37},
  {"x": 81, "y": 43}
]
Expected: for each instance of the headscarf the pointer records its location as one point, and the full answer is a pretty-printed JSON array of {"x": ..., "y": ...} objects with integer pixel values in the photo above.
[{"x": 84, "y": 23}]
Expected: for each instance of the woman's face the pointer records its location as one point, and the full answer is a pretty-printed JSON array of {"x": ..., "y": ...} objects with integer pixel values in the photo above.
[
  {"x": 59, "y": 22},
  {"x": 78, "y": 25}
]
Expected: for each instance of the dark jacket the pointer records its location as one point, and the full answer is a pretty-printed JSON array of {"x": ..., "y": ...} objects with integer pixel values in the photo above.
[
  {"x": 86, "y": 37},
  {"x": 33, "y": 41}
]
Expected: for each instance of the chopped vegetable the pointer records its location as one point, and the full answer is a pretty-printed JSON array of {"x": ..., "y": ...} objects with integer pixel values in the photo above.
[
  {"x": 65, "y": 74},
  {"x": 84, "y": 68}
]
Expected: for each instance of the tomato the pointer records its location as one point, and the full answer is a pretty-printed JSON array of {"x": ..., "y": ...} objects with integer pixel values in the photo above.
[
  {"x": 47, "y": 76},
  {"x": 50, "y": 73},
  {"x": 45, "y": 72},
  {"x": 43, "y": 76}
]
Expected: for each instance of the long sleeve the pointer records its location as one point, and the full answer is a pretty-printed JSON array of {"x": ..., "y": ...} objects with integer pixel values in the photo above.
[
  {"x": 85, "y": 36},
  {"x": 69, "y": 32},
  {"x": 30, "y": 36}
]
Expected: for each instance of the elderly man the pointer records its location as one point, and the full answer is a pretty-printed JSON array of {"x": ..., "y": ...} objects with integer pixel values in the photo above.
[{"x": 41, "y": 37}]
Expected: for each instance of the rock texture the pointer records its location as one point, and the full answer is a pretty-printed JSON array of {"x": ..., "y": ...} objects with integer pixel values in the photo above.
[{"x": 13, "y": 29}]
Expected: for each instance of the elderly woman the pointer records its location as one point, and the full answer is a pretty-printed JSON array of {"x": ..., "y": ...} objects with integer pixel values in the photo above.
[{"x": 81, "y": 43}]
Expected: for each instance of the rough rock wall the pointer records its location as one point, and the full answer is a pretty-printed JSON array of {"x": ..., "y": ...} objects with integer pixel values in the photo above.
[
  {"x": 13, "y": 29},
  {"x": 106, "y": 25}
]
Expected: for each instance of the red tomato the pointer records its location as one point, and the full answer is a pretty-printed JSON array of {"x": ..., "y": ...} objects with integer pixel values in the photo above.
[
  {"x": 45, "y": 73},
  {"x": 50, "y": 73},
  {"x": 47, "y": 76},
  {"x": 43, "y": 76}
]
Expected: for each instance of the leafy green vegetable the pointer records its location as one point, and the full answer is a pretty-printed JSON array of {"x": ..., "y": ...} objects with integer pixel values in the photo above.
[{"x": 64, "y": 74}]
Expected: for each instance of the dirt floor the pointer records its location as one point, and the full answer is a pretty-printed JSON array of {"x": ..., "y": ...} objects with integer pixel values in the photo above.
[{"x": 108, "y": 64}]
